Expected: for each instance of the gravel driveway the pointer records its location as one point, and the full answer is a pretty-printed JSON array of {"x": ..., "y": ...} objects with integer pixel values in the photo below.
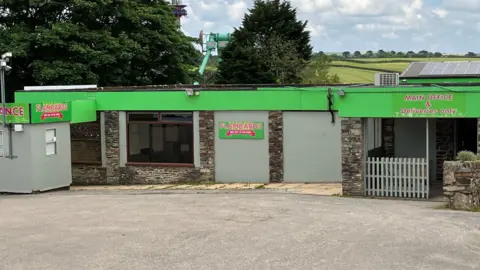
[{"x": 249, "y": 230}]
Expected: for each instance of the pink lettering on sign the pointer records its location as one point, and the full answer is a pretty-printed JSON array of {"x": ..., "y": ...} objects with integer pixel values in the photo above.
[{"x": 243, "y": 132}]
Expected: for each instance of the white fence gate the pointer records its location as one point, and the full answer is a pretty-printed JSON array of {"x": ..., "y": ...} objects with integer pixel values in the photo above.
[{"x": 397, "y": 177}]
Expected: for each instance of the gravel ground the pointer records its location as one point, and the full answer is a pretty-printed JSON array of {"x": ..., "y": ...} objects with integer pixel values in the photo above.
[{"x": 241, "y": 230}]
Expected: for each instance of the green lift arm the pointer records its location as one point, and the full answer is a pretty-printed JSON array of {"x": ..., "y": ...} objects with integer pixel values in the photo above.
[{"x": 211, "y": 42}]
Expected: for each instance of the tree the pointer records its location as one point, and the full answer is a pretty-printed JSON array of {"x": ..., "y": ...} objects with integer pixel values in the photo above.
[
  {"x": 109, "y": 43},
  {"x": 400, "y": 54},
  {"x": 438, "y": 54},
  {"x": 381, "y": 53},
  {"x": 423, "y": 53},
  {"x": 369, "y": 54},
  {"x": 346, "y": 54},
  {"x": 471, "y": 54},
  {"x": 357, "y": 54},
  {"x": 268, "y": 31},
  {"x": 410, "y": 53}
]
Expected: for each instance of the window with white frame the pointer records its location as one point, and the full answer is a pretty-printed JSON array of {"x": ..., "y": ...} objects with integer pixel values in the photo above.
[
  {"x": 373, "y": 133},
  {"x": 51, "y": 142}
]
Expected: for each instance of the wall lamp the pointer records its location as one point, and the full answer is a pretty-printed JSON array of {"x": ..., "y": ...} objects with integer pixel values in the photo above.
[
  {"x": 341, "y": 93},
  {"x": 192, "y": 92}
]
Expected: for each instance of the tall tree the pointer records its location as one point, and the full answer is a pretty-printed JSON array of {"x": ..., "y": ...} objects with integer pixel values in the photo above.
[
  {"x": 106, "y": 42},
  {"x": 271, "y": 46}
]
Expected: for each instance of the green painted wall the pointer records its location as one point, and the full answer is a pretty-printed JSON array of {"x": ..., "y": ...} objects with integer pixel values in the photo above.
[{"x": 357, "y": 101}]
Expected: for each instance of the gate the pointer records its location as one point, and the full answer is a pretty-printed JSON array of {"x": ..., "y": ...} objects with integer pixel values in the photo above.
[{"x": 397, "y": 177}]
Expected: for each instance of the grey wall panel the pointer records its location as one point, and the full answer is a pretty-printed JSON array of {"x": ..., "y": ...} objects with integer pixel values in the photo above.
[
  {"x": 241, "y": 160},
  {"x": 122, "y": 139},
  {"x": 16, "y": 174},
  {"x": 53, "y": 171},
  {"x": 32, "y": 169},
  {"x": 311, "y": 147}
]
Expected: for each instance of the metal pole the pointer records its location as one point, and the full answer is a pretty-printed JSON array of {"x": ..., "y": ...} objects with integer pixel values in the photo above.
[
  {"x": 428, "y": 157},
  {"x": 2, "y": 85}
]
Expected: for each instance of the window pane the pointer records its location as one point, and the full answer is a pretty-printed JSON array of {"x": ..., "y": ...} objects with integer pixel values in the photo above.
[
  {"x": 143, "y": 117},
  {"x": 160, "y": 143},
  {"x": 177, "y": 116}
]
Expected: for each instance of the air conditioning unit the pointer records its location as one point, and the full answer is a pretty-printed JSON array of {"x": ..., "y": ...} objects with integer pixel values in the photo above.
[{"x": 387, "y": 79}]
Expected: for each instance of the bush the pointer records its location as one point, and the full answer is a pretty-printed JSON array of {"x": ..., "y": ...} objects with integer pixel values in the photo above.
[{"x": 466, "y": 156}]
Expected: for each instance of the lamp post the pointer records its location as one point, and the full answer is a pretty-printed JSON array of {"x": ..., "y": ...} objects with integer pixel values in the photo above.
[{"x": 4, "y": 67}]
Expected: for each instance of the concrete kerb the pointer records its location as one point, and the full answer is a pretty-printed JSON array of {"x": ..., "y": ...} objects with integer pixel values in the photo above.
[{"x": 327, "y": 189}]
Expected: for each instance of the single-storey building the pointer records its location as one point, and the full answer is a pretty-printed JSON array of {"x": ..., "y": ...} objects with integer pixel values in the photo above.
[{"x": 388, "y": 139}]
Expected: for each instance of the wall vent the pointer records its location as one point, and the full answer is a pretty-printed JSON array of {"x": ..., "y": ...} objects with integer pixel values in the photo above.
[{"x": 387, "y": 79}]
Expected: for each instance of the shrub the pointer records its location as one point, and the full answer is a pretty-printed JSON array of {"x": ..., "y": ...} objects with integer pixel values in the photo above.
[{"x": 466, "y": 156}]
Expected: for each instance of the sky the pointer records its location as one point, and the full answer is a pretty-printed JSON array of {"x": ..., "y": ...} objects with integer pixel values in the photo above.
[{"x": 446, "y": 26}]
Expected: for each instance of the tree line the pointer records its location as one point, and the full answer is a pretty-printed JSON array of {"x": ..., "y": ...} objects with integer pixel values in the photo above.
[{"x": 395, "y": 54}]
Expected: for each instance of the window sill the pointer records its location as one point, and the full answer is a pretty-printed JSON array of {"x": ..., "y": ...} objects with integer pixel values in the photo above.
[
  {"x": 86, "y": 163},
  {"x": 146, "y": 164}
]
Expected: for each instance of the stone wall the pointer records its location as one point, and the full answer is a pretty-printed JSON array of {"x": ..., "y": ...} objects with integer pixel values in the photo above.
[
  {"x": 113, "y": 174},
  {"x": 445, "y": 144},
  {"x": 461, "y": 185},
  {"x": 352, "y": 156},
  {"x": 89, "y": 174},
  {"x": 388, "y": 137},
  {"x": 275, "y": 145}
]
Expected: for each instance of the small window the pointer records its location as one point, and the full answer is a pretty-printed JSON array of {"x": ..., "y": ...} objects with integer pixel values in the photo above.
[
  {"x": 143, "y": 117},
  {"x": 51, "y": 142},
  {"x": 177, "y": 117}
]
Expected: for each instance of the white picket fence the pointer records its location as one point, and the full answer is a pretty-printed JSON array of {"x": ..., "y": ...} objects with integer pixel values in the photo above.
[{"x": 397, "y": 177}]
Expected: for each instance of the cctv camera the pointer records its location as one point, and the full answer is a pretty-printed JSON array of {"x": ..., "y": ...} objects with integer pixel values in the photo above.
[
  {"x": 189, "y": 92},
  {"x": 6, "y": 55},
  {"x": 8, "y": 68}
]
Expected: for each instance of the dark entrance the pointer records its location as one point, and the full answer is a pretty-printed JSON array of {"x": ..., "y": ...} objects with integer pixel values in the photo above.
[{"x": 466, "y": 131}]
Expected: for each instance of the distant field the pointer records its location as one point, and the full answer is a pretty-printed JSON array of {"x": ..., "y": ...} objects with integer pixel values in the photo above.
[
  {"x": 362, "y": 70},
  {"x": 349, "y": 75}
]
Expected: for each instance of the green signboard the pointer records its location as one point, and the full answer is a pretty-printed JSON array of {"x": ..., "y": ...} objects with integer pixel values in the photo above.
[
  {"x": 16, "y": 113},
  {"x": 49, "y": 112},
  {"x": 441, "y": 105},
  {"x": 241, "y": 130}
]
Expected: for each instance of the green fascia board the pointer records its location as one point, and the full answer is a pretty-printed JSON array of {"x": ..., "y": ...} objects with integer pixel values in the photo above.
[
  {"x": 356, "y": 102},
  {"x": 83, "y": 111}
]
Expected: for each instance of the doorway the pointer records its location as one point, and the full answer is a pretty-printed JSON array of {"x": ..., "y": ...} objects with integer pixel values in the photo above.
[{"x": 466, "y": 135}]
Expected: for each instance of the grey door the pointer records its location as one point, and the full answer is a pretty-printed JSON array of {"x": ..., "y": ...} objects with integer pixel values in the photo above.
[
  {"x": 311, "y": 147},
  {"x": 241, "y": 160}
]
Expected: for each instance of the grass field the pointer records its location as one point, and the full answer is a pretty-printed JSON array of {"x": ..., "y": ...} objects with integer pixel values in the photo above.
[{"x": 363, "y": 70}]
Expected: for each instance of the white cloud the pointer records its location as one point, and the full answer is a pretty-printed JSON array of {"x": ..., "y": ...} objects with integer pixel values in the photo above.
[
  {"x": 390, "y": 35},
  {"x": 340, "y": 25},
  {"x": 316, "y": 30},
  {"x": 237, "y": 10},
  {"x": 442, "y": 13}
]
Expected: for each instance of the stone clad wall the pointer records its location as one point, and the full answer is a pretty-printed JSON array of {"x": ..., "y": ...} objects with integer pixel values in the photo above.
[
  {"x": 388, "y": 136},
  {"x": 275, "y": 125},
  {"x": 353, "y": 156},
  {"x": 113, "y": 174},
  {"x": 461, "y": 185}
]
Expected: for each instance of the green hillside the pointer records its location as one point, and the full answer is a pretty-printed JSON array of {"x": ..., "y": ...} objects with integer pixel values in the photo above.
[{"x": 363, "y": 70}]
